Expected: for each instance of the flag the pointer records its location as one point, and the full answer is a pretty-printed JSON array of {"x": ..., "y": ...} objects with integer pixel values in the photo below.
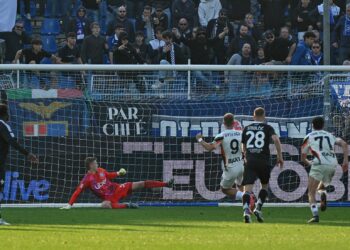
[
  {"x": 8, "y": 11},
  {"x": 51, "y": 128}
]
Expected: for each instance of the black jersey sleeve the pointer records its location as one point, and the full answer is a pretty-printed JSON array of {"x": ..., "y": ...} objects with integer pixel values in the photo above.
[
  {"x": 244, "y": 137},
  {"x": 7, "y": 135}
]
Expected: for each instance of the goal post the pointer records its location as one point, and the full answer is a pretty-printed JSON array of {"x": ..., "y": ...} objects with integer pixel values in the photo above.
[{"x": 144, "y": 118}]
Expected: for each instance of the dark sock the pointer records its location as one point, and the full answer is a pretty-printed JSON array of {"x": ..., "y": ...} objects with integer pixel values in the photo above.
[
  {"x": 246, "y": 200},
  {"x": 261, "y": 199}
]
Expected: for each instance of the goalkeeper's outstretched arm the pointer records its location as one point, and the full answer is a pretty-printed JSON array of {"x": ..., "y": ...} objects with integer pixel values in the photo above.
[{"x": 74, "y": 197}]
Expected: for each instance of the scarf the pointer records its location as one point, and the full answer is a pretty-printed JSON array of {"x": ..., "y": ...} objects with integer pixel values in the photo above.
[
  {"x": 347, "y": 26},
  {"x": 80, "y": 28},
  {"x": 316, "y": 59}
]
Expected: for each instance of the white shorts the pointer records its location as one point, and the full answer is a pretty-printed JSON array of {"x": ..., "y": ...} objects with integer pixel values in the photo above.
[{"x": 233, "y": 175}]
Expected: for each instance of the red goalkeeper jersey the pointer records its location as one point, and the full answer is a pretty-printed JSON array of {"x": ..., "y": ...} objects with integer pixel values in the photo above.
[{"x": 99, "y": 183}]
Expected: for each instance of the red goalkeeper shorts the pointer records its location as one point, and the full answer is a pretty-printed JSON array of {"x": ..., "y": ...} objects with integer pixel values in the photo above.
[{"x": 121, "y": 192}]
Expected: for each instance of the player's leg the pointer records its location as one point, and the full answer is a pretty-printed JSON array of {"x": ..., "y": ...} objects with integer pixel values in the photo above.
[
  {"x": 2, "y": 183},
  {"x": 249, "y": 178},
  {"x": 321, "y": 189},
  {"x": 328, "y": 172},
  {"x": 230, "y": 177},
  {"x": 264, "y": 171},
  {"x": 151, "y": 184},
  {"x": 312, "y": 188}
]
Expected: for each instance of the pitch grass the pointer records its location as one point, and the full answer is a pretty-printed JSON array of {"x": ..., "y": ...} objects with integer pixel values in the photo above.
[{"x": 172, "y": 228}]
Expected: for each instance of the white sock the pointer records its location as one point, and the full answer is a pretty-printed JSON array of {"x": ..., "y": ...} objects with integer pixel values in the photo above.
[
  {"x": 314, "y": 209},
  {"x": 239, "y": 195}
]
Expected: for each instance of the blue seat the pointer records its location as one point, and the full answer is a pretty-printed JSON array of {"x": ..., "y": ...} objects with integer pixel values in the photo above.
[
  {"x": 50, "y": 26},
  {"x": 28, "y": 27},
  {"x": 66, "y": 82},
  {"x": 48, "y": 10},
  {"x": 49, "y": 43},
  {"x": 32, "y": 8}
]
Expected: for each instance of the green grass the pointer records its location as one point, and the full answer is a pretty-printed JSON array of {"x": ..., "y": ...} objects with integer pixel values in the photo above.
[{"x": 173, "y": 228}]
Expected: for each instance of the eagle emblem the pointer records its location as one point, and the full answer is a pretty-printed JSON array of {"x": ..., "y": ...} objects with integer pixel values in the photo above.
[{"x": 45, "y": 112}]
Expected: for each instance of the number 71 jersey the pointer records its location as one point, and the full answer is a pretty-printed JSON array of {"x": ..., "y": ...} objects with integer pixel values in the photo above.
[
  {"x": 320, "y": 144},
  {"x": 230, "y": 142}
]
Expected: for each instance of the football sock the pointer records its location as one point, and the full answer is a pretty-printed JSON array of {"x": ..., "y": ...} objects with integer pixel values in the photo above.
[
  {"x": 239, "y": 195},
  {"x": 246, "y": 200},
  {"x": 314, "y": 210},
  {"x": 261, "y": 199},
  {"x": 154, "y": 184}
]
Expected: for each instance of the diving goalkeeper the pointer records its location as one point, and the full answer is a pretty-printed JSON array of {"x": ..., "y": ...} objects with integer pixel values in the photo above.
[{"x": 98, "y": 180}]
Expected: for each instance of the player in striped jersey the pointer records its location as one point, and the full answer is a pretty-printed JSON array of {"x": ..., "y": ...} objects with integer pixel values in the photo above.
[
  {"x": 320, "y": 144},
  {"x": 230, "y": 142}
]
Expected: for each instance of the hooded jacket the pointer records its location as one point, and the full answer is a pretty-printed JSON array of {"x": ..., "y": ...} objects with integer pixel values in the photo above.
[{"x": 207, "y": 10}]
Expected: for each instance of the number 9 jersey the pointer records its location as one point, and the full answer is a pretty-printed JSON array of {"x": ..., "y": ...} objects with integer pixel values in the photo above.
[{"x": 320, "y": 144}]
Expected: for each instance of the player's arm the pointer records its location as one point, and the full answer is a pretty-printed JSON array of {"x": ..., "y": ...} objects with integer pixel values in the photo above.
[
  {"x": 277, "y": 142},
  {"x": 208, "y": 146},
  {"x": 304, "y": 151},
  {"x": 9, "y": 137},
  {"x": 340, "y": 142},
  {"x": 112, "y": 175},
  {"x": 83, "y": 184}
]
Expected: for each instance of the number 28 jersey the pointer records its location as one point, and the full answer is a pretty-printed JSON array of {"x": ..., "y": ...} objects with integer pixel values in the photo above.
[
  {"x": 320, "y": 144},
  {"x": 230, "y": 142},
  {"x": 256, "y": 137}
]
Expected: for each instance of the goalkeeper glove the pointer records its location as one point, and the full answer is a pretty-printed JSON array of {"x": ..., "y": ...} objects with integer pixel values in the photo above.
[
  {"x": 66, "y": 207},
  {"x": 122, "y": 172}
]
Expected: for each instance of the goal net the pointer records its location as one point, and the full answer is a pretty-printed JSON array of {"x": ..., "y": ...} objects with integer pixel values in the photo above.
[{"x": 147, "y": 125}]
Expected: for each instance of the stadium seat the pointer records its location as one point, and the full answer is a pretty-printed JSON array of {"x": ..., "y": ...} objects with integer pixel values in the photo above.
[
  {"x": 32, "y": 9},
  {"x": 65, "y": 82},
  {"x": 49, "y": 43},
  {"x": 50, "y": 26},
  {"x": 48, "y": 10},
  {"x": 28, "y": 27}
]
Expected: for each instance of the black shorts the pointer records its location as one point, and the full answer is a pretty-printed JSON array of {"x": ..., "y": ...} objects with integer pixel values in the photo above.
[{"x": 256, "y": 169}]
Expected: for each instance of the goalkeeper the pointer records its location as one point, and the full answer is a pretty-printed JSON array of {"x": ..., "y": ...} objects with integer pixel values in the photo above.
[{"x": 98, "y": 180}]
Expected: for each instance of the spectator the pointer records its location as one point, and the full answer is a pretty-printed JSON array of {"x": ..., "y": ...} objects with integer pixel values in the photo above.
[
  {"x": 135, "y": 7},
  {"x": 26, "y": 8},
  {"x": 140, "y": 46},
  {"x": 171, "y": 54},
  {"x": 69, "y": 54},
  {"x": 124, "y": 21},
  {"x": 260, "y": 59},
  {"x": 279, "y": 50},
  {"x": 35, "y": 54},
  {"x": 94, "y": 46},
  {"x": 236, "y": 9},
  {"x": 316, "y": 54},
  {"x": 242, "y": 58},
  {"x": 182, "y": 32},
  {"x": 273, "y": 11},
  {"x": 80, "y": 25},
  {"x": 112, "y": 9},
  {"x": 220, "y": 32},
  {"x": 252, "y": 29},
  {"x": 341, "y": 36},
  {"x": 113, "y": 41},
  {"x": 14, "y": 40},
  {"x": 145, "y": 24},
  {"x": 302, "y": 17},
  {"x": 155, "y": 46},
  {"x": 183, "y": 9},
  {"x": 243, "y": 38},
  {"x": 208, "y": 10},
  {"x": 165, "y": 5},
  {"x": 160, "y": 19},
  {"x": 302, "y": 55},
  {"x": 92, "y": 9},
  {"x": 334, "y": 15}
]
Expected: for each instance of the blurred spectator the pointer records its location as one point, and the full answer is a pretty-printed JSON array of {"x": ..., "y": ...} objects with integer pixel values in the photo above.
[
  {"x": 182, "y": 32},
  {"x": 281, "y": 49},
  {"x": 316, "y": 54},
  {"x": 92, "y": 9},
  {"x": 273, "y": 11},
  {"x": 334, "y": 15},
  {"x": 14, "y": 40},
  {"x": 124, "y": 21},
  {"x": 236, "y": 9},
  {"x": 244, "y": 57},
  {"x": 302, "y": 55},
  {"x": 171, "y": 54},
  {"x": 317, "y": 38},
  {"x": 113, "y": 40},
  {"x": 145, "y": 24},
  {"x": 160, "y": 19},
  {"x": 208, "y": 10},
  {"x": 260, "y": 58},
  {"x": 341, "y": 36},
  {"x": 301, "y": 17},
  {"x": 220, "y": 32},
  {"x": 80, "y": 25},
  {"x": 242, "y": 38},
  {"x": 35, "y": 54},
  {"x": 155, "y": 46},
  {"x": 165, "y": 5},
  {"x": 252, "y": 29},
  {"x": 26, "y": 8},
  {"x": 125, "y": 53},
  {"x": 112, "y": 9},
  {"x": 94, "y": 46},
  {"x": 134, "y": 7},
  {"x": 141, "y": 47},
  {"x": 183, "y": 9},
  {"x": 69, "y": 54}
]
